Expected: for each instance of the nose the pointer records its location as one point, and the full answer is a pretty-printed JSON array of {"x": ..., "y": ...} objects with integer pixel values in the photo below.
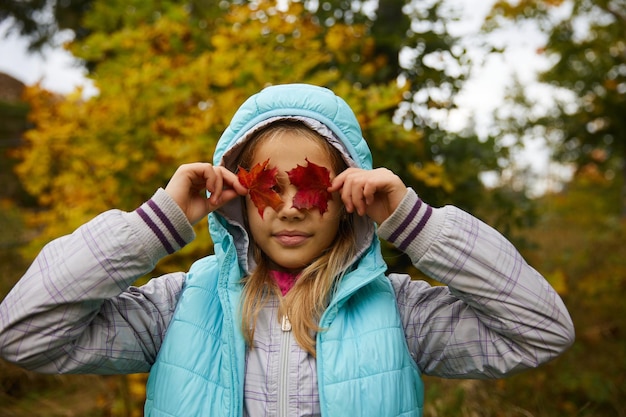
[{"x": 287, "y": 211}]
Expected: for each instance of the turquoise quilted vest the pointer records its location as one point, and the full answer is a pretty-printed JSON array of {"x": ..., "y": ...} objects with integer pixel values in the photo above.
[{"x": 364, "y": 368}]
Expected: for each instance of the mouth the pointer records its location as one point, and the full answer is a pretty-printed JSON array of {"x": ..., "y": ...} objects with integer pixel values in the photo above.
[{"x": 291, "y": 238}]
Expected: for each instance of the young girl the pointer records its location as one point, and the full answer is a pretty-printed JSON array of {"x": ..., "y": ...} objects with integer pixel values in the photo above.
[{"x": 293, "y": 314}]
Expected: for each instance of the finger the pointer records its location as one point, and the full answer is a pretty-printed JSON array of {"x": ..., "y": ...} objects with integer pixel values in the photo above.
[
  {"x": 217, "y": 186},
  {"x": 338, "y": 182},
  {"x": 226, "y": 196},
  {"x": 225, "y": 187},
  {"x": 358, "y": 198},
  {"x": 369, "y": 193},
  {"x": 346, "y": 194},
  {"x": 352, "y": 194},
  {"x": 232, "y": 180}
]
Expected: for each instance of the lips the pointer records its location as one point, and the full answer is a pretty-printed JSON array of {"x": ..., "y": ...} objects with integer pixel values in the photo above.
[{"x": 291, "y": 238}]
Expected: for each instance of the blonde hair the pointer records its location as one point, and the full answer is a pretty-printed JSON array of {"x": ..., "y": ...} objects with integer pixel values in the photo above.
[{"x": 309, "y": 297}]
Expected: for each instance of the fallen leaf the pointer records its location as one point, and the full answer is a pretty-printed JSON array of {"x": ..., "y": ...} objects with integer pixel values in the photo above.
[
  {"x": 260, "y": 181},
  {"x": 312, "y": 182}
]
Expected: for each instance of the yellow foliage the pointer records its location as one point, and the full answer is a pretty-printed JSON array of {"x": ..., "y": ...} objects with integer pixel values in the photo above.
[
  {"x": 432, "y": 175},
  {"x": 167, "y": 91},
  {"x": 558, "y": 280},
  {"x": 517, "y": 8},
  {"x": 137, "y": 385}
]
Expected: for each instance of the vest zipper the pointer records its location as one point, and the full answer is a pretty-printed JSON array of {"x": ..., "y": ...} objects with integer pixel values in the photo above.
[{"x": 283, "y": 382}]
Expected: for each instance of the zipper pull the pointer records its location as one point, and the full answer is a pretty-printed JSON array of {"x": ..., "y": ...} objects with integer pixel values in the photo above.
[{"x": 286, "y": 324}]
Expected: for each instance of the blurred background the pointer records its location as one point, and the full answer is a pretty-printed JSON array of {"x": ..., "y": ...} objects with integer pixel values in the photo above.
[{"x": 512, "y": 110}]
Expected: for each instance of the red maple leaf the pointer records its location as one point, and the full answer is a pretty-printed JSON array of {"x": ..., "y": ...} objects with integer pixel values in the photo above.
[
  {"x": 312, "y": 182},
  {"x": 260, "y": 182}
]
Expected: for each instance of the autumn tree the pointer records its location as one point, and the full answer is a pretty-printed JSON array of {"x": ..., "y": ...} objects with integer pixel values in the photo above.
[
  {"x": 434, "y": 66},
  {"x": 580, "y": 243},
  {"x": 586, "y": 48}
]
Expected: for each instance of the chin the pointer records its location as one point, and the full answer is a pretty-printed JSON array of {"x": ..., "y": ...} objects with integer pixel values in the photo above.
[{"x": 291, "y": 266}]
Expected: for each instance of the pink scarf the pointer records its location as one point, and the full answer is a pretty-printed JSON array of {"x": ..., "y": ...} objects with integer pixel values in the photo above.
[{"x": 284, "y": 280}]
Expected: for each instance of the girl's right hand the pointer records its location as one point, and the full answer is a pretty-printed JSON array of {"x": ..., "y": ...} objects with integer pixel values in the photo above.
[{"x": 190, "y": 182}]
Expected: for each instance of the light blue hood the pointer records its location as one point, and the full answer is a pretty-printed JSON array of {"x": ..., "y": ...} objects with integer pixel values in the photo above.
[
  {"x": 317, "y": 107},
  {"x": 308, "y": 101}
]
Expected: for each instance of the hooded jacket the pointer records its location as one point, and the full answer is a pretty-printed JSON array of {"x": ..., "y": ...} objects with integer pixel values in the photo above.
[{"x": 363, "y": 364}]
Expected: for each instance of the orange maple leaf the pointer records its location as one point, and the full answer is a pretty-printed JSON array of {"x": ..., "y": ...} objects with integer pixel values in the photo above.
[{"x": 260, "y": 181}]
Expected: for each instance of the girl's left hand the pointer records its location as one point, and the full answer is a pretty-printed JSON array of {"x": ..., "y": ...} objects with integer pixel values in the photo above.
[{"x": 376, "y": 193}]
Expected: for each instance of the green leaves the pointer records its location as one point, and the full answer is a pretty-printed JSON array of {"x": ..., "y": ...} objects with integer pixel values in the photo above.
[{"x": 587, "y": 54}]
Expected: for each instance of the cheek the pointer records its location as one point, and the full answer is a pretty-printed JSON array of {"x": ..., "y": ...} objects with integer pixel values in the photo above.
[
  {"x": 336, "y": 208},
  {"x": 254, "y": 220},
  {"x": 330, "y": 221},
  {"x": 336, "y": 198}
]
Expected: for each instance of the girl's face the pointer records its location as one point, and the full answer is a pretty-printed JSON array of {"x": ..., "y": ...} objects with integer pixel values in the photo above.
[{"x": 290, "y": 237}]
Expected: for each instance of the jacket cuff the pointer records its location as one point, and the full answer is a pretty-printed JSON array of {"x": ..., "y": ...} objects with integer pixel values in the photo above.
[
  {"x": 161, "y": 225},
  {"x": 413, "y": 226}
]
